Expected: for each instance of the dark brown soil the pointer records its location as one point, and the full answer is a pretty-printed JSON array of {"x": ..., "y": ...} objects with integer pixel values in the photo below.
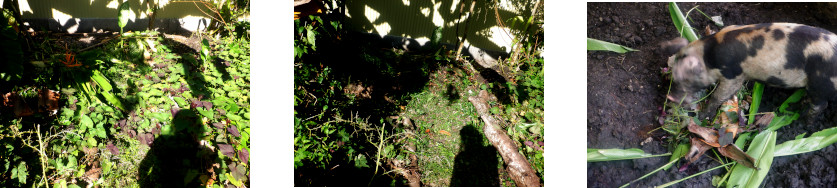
[{"x": 626, "y": 91}]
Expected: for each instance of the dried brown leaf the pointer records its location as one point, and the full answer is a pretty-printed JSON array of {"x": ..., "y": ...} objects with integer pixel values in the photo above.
[
  {"x": 732, "y": 151},
  {"x": 697, "y": 149},
  {"x": 709, "y": 135}
]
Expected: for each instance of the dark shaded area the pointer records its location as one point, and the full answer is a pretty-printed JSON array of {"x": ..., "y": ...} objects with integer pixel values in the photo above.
[
  {"x": 476, "y": 163},
  {"x": 172, "y": 156},
  {"x": 345, "y": 175},
  {"x": 625, "y": 92},
  {"x": 451, "y": 94}
]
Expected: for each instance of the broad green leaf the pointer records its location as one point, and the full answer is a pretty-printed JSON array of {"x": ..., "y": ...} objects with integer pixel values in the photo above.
[
  {"x": 311, "y": 38},
  {"x": 161, "y": 116},
  {"x": 166, "y": 130},
  {"x": 597, "y": 155},
  {"x": 234, "y": 94},
  {"x": 181, "y": 102},
  {"x": 155, "y": 92},
  {"x": 62, "y": 183},
  {"x": 106, "y": 166},
  {"x": 112, "y": 99},
  {"x": 233, "y": 180},
  {"x": 100, "y": 132},
  {"x": 101, "y": 81},
  {"x": 742, "y": 139},
  {"x": 360, "y": 161},
  {"x": 233, "y": 117},
  {"x": 781, "y": 121},
  {"x": 795, "y": 97},
  {"x": 680, "y": 23},
  {"x": 816, "y": 141},
  {"x": 436, "y": 37},
  {"x": 762, "y": 150},
  {"x": 145, "y": 124},
  {"x": 205, "y": 49},
  {"x": 72, "y": 162},
  {"x": 22, "y": 172},
  {"x": 206, "y": 113},
  {"x": 124, "y": 14},
  {"x": 679, "y": 152},
  {"x": 91, "y": 142},
  {"x": 86, "y": 122},
  {"x": 597, "y": 45}
]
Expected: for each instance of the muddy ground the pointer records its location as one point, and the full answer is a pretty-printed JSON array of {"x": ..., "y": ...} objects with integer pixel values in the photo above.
[{"x": 625, "y": 92}]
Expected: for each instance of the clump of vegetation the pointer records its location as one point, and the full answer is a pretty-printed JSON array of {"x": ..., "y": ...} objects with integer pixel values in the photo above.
[
  {"x": 112, "y": 114},
  {"x": 397, "y": 117}
]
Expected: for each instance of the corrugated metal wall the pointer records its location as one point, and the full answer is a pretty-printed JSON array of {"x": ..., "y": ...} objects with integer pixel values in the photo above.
[
  {"x": 38, "y": 9},
  {"x": 417, "y": 18}
]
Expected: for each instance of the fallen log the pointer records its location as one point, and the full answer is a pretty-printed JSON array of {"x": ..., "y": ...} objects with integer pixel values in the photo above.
[{"x": 516, "y": 164}]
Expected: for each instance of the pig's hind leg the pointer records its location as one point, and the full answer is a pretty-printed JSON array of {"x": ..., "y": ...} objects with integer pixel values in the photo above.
[{"x": 819, "y": 97}]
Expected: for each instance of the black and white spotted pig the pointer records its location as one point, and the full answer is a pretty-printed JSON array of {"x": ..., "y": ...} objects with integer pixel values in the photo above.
[{"x": 784, "y": 55}]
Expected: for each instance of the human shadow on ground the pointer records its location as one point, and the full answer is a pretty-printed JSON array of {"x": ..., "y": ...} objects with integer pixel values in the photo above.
[
  {"x": 476, "y": 163},
  {"x": 176, "y": 159}
]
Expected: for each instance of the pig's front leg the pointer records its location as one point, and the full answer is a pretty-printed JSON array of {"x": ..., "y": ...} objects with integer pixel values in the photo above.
[{"x": 725, "y": 90}]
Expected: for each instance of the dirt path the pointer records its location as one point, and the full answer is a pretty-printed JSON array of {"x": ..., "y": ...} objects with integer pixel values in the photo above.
[{"x": 625, "y": 92}]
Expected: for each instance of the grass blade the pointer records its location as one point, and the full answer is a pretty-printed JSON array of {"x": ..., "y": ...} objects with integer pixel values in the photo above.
[
  {"x": 762, "y": 150},
  {"x": 664, "y": 167},
  {"x": 814, "y": 142},
  {"x": 693, "y": 175},
  {"x": 593, "y": 44},
  {"x": 758, "y": 89},
  {"x": 680, "y": 22},
  {"x": 598, "y": 155}
]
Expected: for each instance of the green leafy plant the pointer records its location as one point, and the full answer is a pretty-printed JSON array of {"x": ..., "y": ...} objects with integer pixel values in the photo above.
[
  {"x": 597, "y": 45},
  {"x": 597, "y": 155}
]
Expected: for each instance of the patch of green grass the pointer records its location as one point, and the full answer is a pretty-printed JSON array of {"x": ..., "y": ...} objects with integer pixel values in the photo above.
[{"x": 440, "y": 112}]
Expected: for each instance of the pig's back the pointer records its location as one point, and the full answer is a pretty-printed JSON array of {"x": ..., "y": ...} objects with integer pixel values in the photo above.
[{"x": 779, "y": 54}]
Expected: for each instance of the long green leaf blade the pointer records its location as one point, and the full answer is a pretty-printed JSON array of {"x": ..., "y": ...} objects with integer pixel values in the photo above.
[
  {"x": 680, "y": 22},
  {"x": 664, "y": 167},
  {"x": 814, "y": 142},
  {"x": 758, "y": 89},
  {"x": 105, "y": 89},
  {"x": 598, "y": 155},
  {"x": 795, "y": 97},
  {"x": 762, "y": 150},
  {"x": 693, "y": 175},
  {"x": 597, "y": 45}
]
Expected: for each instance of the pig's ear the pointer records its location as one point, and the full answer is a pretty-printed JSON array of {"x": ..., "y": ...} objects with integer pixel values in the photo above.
[{"x": 671, "y": 47}]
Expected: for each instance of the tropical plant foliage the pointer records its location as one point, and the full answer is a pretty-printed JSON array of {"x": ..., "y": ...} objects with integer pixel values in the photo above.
[{"x": 110, "y": 114}]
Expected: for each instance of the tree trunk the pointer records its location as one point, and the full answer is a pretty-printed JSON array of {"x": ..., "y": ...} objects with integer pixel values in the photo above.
[{"x": 517, "y": 166}]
